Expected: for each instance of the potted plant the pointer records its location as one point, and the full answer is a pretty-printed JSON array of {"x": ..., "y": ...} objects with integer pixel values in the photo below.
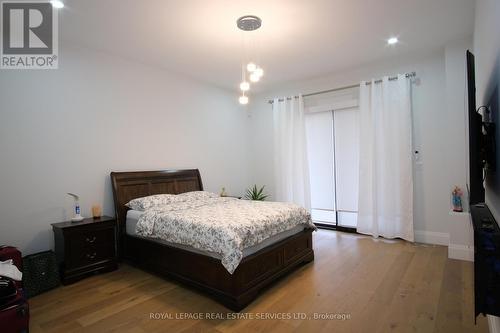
[{"x": 254, "y": 193}]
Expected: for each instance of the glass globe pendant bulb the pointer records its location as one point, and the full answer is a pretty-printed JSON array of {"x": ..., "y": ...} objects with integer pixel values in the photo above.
[
  {"x": 244, "y": 86},
  {"x": 254, "y": 77},
  {"x": 243, "y": 100},
  {"x": 258, "y": 71},
  {"x": 251, "y": 67}
]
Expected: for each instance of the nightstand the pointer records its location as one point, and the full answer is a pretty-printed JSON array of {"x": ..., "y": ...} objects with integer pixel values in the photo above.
[{"x": 85, "y": 247}]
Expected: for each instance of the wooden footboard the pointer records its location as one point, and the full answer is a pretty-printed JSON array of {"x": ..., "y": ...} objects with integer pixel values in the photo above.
[{"x": 207, "y": 274}]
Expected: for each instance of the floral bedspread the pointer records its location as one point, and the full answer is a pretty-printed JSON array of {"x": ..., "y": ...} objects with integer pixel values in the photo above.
[{"x": 224, "y": 226}]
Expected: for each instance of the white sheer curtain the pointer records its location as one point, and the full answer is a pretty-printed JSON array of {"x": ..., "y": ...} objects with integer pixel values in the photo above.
[
  {"x": 290, "y": 152},
  {"x": 385, "y": 161}
]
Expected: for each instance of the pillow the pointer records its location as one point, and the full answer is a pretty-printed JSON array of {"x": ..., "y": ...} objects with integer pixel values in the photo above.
[
  {"x": 194, "y": 195},
  {"x": 144, "y": 203}
]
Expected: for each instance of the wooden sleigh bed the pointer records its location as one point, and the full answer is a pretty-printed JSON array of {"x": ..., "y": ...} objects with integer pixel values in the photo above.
[{"x": 236, "y": 291}]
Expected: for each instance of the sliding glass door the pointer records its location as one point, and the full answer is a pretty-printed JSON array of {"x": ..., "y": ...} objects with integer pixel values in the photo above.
[
  {"x": 320, "y": 151},
  {"x": 346, "y": 142},
  {"x": 333, "y": 152}
]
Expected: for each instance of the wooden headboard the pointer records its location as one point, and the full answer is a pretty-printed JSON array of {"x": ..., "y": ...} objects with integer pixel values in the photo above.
[{"x": 132, "y": 185}]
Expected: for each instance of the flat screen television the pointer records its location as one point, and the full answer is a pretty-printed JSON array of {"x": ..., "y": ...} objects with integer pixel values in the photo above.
[
  {"x": 491, "y": 129},
  {"x": 476, "y": 152}
]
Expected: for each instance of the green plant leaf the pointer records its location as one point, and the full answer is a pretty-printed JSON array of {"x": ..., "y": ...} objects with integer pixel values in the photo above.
[{"x": 255, "y": 193}]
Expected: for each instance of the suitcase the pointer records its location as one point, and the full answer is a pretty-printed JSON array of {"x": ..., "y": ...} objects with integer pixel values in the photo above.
[
  {"x": 40, "y": 273},
  {"x": 8, "y": 290},
  {"x": 14, "y": 309},
  {"x": 10, "y": 252},
  {"x": 15, "y": 315}
]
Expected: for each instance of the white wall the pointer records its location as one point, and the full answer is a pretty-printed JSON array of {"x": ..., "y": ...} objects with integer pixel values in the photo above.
[
  {"x": 65, "y": 130},
  {"x": 487, "y": 57},
  {"x": 461, "y": 237},
  {"x": 438, "y": 131}
]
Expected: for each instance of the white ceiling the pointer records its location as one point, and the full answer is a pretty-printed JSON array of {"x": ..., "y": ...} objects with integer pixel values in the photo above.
[{"x": 298, "y": 38}]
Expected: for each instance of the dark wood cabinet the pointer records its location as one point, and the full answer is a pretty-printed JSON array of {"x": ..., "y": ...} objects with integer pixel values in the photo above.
[
  {"x": 486, "y": 261},
  {"x": 85, "y": 247}
]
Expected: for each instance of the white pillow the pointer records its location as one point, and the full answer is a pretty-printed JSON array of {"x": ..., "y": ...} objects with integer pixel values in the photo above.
[
  {"x": 145, "y": 203},
  {"x": 197, "y": 195}
]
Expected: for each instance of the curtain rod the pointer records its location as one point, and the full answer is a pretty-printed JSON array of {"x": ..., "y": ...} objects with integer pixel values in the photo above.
[{"x": 392, "y": 78}]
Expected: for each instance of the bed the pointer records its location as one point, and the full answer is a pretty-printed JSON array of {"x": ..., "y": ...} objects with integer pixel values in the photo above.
[{"x": 260, "y": 266}]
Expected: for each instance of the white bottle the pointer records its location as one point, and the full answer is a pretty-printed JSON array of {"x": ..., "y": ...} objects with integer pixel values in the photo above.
[{"x": 78, "y": 216}]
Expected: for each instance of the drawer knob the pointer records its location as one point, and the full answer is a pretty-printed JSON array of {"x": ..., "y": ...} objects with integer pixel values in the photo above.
[
  {"x": 91, "y": 256},
  {"x": 90, "y": 240}
]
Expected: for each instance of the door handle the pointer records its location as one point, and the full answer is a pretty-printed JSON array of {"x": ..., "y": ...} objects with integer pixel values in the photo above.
[
  {"x": 90, "y": 240},
  {"x": 91, "y": 256}
]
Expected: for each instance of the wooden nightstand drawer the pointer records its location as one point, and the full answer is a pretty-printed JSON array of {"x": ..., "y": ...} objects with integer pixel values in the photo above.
[
  {"x": 85, "y": 247},
  {"x": 92, "y": 237},
  {"x": 93, "y": 254}
]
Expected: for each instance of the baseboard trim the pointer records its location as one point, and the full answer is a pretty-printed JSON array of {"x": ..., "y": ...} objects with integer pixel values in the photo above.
[
  {"x": 431, "y": 237},
  {"x": 461, "y": 252},
  {"x": 455, "y": 251}
]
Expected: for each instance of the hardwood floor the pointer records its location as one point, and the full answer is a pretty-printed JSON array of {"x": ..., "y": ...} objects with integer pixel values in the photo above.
[{"x": 369, "y": 285}]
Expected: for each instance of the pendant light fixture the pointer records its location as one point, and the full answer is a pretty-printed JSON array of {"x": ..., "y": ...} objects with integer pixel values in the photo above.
[
  {"x": 243, "y": 99},
  {"x": 250, "y": 71}
]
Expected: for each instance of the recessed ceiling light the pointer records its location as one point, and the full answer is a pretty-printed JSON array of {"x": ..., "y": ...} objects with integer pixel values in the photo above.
[
  {"x": 392, "y": 41},
  {"x": 57, "y": 4}
]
